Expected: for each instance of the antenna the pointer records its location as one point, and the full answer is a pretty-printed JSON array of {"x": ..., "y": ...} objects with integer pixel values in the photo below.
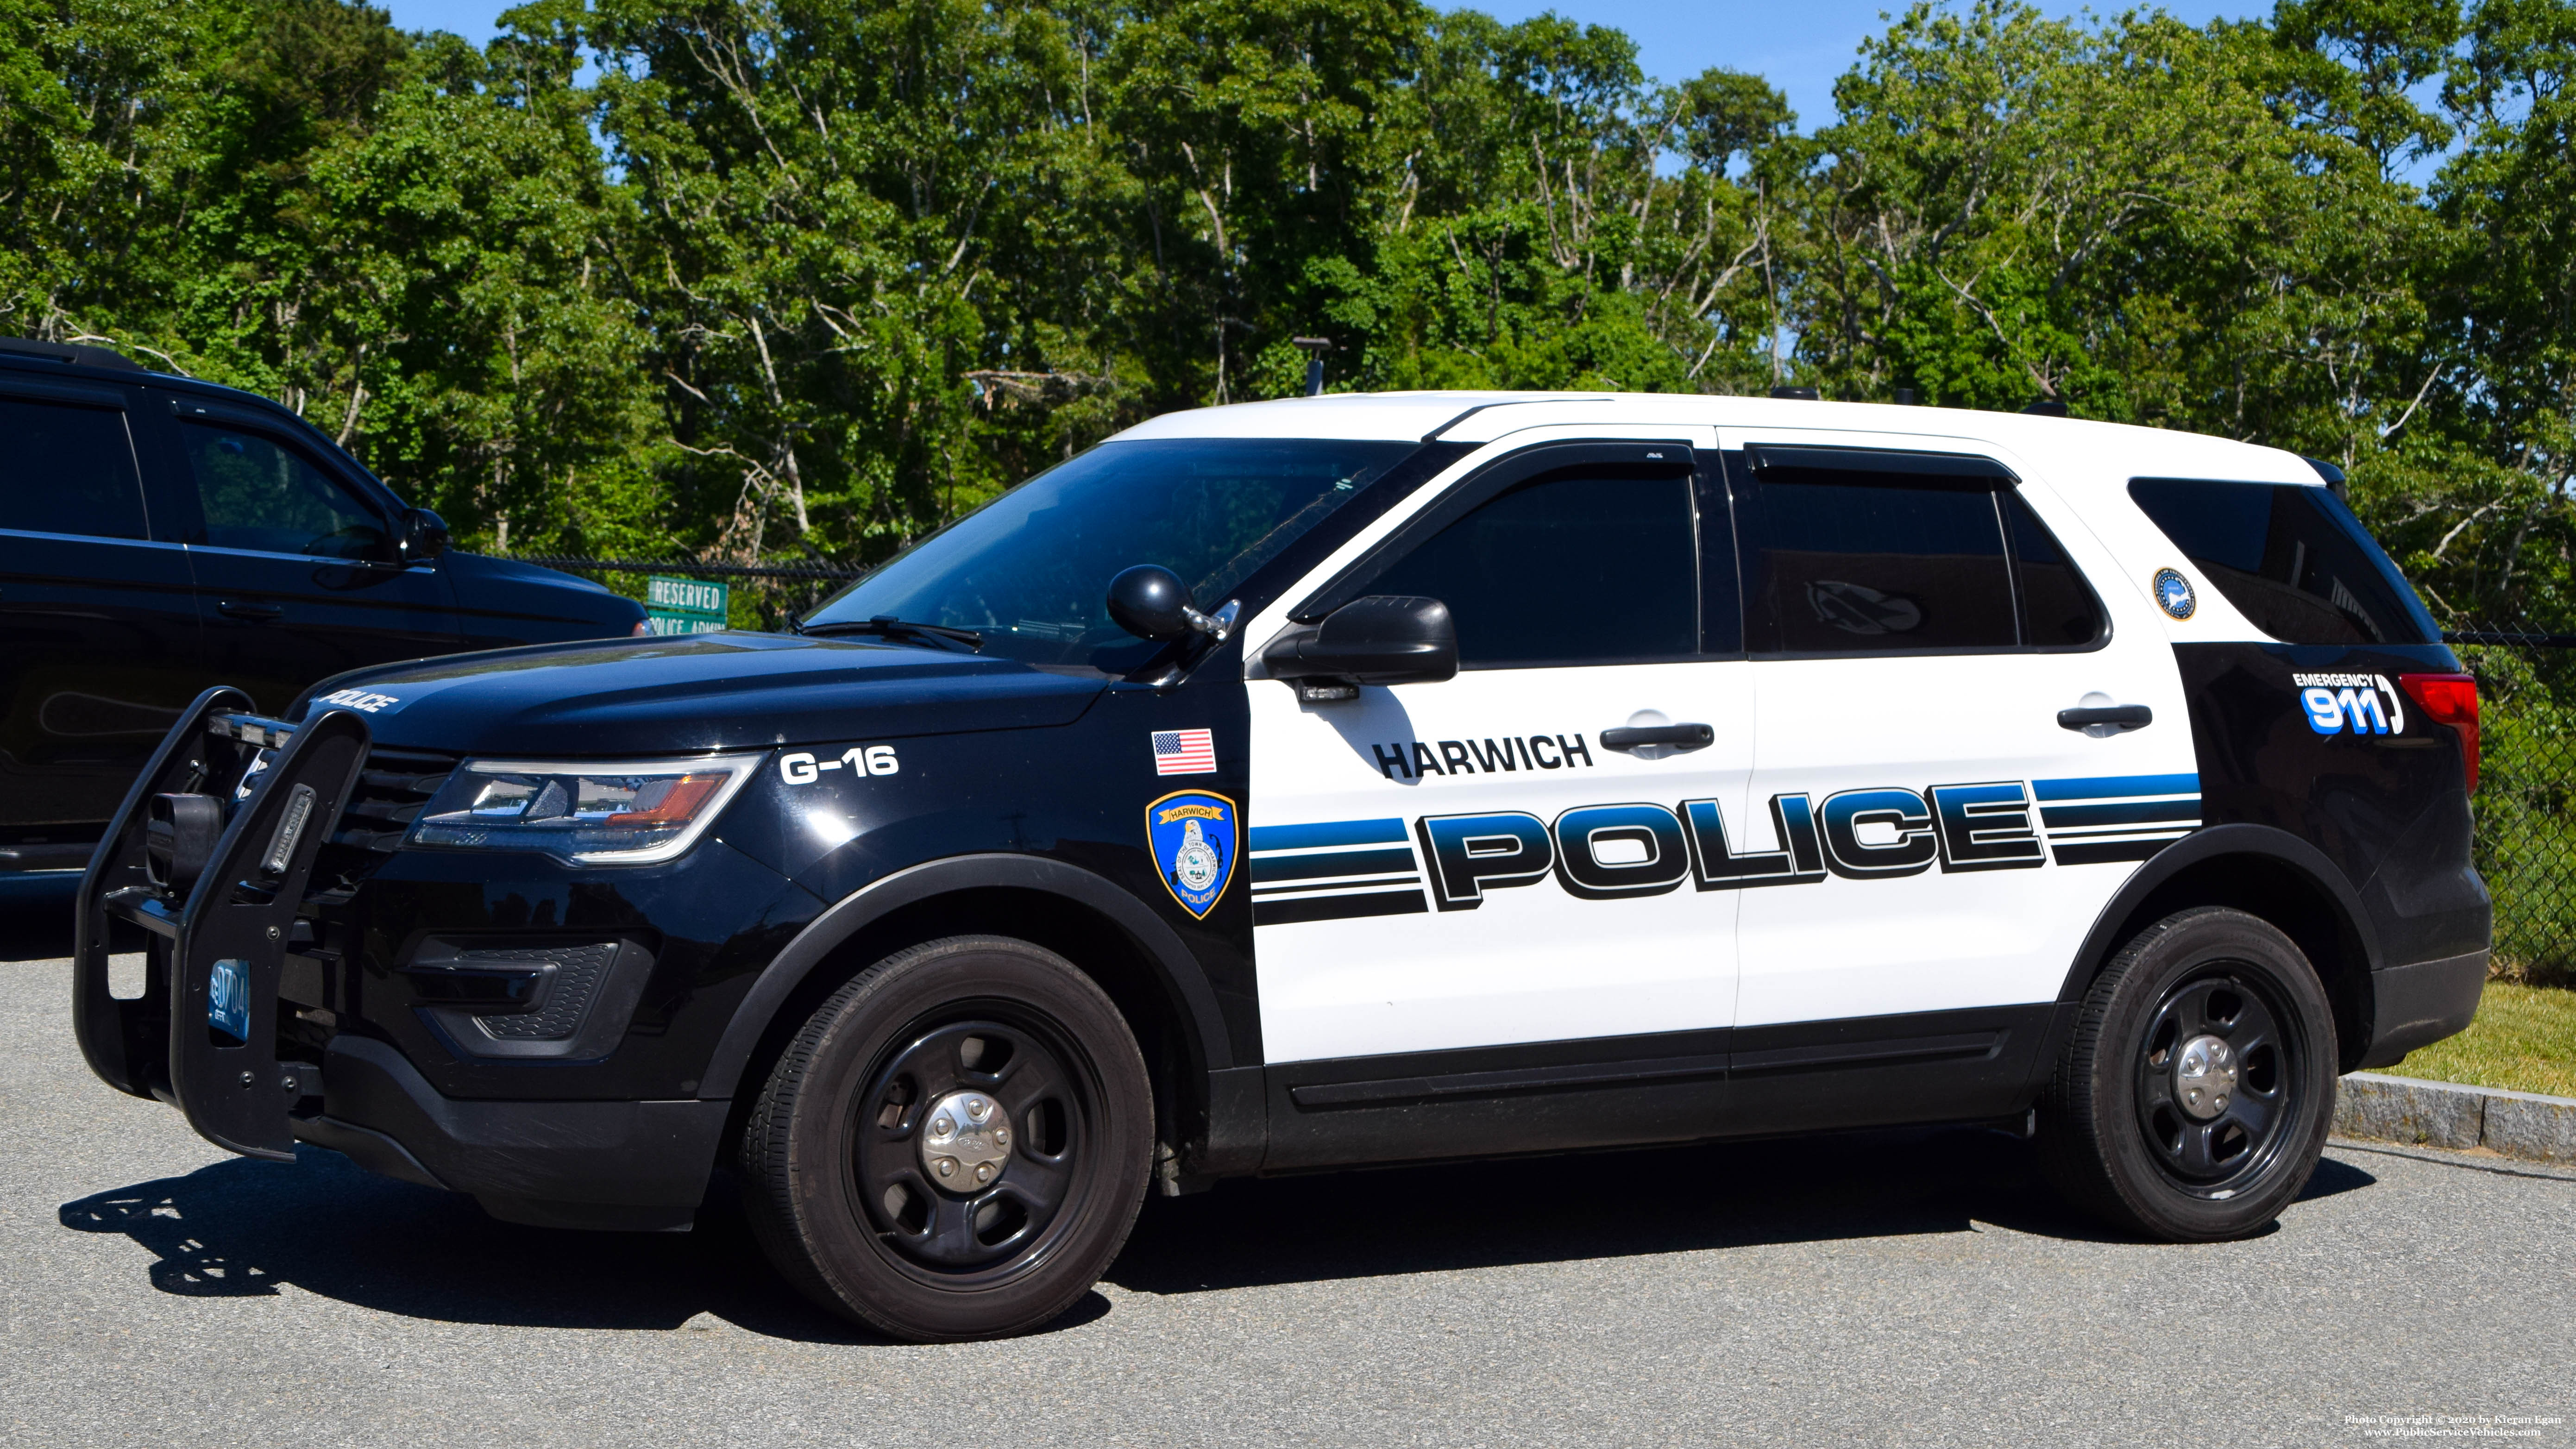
[{"x": 1315, "y": 348}]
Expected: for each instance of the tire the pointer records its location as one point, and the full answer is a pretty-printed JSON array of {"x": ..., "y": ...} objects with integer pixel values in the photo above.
[
  {"x": 2130, "y": 1133},
  {"x": 841, "y": 1155}
]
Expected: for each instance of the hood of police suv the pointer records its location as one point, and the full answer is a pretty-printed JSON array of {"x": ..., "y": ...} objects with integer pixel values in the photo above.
[{"x": 692, "y": 694}]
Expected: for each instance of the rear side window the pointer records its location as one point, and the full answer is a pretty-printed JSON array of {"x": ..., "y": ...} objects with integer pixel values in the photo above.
[
  {"x": 2057, "y": 607},
  {"x": 67, "y": 469},
  {"x": 1844, "y": 561},
  {"x": 2291, "y": 558},
  {"x": 1578, "y": 568}
]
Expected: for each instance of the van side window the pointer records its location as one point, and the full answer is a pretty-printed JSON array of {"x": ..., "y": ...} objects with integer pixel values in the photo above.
[
  {"x": 260, "y": 494},
  {"x": 1583, "y": 567},
  {"x": 1847, "y": 562},
  {"x": 68, "y": 469},
  {"x": 2291, "y": 558}
]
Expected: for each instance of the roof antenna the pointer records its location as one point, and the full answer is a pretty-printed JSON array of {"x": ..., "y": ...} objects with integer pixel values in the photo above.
[{"x": 1315, "y": 348}]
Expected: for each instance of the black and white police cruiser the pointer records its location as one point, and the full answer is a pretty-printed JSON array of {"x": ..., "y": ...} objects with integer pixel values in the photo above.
[{"x": 1354, "y": 780}]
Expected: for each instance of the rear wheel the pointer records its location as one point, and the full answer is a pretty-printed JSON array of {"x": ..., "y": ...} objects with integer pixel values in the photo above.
[
  {"x": 2196, "y": 1093},
  {"x": 955, "y": 1144}
]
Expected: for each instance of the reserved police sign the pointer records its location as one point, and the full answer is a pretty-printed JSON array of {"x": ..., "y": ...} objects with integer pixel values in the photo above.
[{"x": 685, "y": 606}]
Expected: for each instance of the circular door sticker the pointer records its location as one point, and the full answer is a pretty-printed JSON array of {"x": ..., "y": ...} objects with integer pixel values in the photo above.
[{"x": 2173, "y": 591}]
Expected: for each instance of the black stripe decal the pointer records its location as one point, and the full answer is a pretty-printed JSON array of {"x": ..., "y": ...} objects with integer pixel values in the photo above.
[
  {"x": 1337, "y": 908},
  {"x": 1329, "y": 864},
  {"x": 2120, "y": 813}
]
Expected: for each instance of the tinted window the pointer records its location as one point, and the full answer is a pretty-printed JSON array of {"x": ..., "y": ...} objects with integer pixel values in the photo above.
[
  {"x": 2291, "y": 558},
  {"x": 1842, "y": 562},
  {"x": 1031, "y": 569},
  {"x": 67, "y": 469},
  {"x": 1572, "y": 569},
  {"x": 2057, "y": 607},
  {"x": 260, "y": 494}
]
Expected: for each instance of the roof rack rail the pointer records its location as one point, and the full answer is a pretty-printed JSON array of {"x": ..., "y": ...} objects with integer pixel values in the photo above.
[{"x": 76, "y": 354}]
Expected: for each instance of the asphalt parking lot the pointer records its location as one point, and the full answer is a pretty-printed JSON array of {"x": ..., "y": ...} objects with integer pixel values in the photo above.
[{"x": 1901, "y": 1288}]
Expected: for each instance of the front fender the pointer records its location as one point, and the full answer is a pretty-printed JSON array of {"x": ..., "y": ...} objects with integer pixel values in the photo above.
[{"x": 1183, "y": 983}]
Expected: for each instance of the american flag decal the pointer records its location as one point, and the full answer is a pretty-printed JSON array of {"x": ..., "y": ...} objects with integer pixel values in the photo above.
[{"x": 1184, "y": 752}]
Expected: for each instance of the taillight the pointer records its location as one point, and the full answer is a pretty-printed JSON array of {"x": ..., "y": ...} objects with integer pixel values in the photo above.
[{"x": 2450, "y": 699}]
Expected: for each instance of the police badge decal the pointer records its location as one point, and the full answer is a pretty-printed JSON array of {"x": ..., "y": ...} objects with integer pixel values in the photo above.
[{"x": 1192, "y": 835}]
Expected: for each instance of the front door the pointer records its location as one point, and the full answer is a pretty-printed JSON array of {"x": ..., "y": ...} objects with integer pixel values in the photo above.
[
  {"x": 1917, "y": 627},
  {"x": 1492, "y": 861},
  {"x": 295, "y": 573}
]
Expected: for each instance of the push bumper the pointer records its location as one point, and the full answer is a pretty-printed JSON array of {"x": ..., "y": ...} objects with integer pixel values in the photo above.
[
  {"x": 2421, "y": 1003},
  {"x": 221, "y": 915},
  {"x": 629, "y": 1166}
]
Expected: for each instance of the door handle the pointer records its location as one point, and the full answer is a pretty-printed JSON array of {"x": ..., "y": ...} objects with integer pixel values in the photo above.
[
  {"x": 2117, "y": 716},
  {"x": 245, "y": 609},
  {"x": 1680, "y": 736}
]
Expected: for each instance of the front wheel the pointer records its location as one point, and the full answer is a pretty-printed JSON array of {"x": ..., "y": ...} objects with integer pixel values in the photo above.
[
  {"x": 956, "y": 1143},
  {"x": 2195, "y": 1095}
]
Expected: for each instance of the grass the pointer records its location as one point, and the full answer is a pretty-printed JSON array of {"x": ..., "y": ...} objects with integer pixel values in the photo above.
[{"x": 2524, "y": 1040}]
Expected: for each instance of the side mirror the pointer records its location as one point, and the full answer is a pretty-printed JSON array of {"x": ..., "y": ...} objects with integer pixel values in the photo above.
[
  {"x": 1379, "y": 639},
  {"x": 1150, "y": 602},
  {"x": 424, "y": 536}
]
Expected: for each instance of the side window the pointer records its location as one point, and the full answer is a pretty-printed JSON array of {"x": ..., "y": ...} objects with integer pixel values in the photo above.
[
  {"x": 1575, "y": 568},
  {"x": 1847, "y": 562},
  {"x": 68, "y": 469},
  {"x": 261, "y": 494},
  {"x": 2290, "y": 557},
  {"x": 2058, "y": 609}
]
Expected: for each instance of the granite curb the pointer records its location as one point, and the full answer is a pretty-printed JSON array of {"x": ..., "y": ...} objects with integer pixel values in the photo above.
[{"x": 2450, "y": 1115}]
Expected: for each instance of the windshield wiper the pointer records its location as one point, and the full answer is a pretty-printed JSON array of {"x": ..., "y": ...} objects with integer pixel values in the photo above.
[{"x": 886, "y": 626}]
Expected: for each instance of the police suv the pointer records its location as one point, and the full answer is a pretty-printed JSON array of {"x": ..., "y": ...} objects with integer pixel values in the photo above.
[{"x": 1353, "y": 780}]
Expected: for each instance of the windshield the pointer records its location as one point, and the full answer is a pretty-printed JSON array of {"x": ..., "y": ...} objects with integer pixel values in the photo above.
[{"x": 1031, "y": 569}]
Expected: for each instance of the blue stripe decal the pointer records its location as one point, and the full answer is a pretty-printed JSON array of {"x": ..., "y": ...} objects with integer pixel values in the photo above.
[
  {"x": 2102, "y": 787},
  {"x": 2135, "y": 812},
  {"x": 1329, "y": 832}
]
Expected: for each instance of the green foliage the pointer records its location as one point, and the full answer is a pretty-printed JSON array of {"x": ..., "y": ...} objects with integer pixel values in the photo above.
[{"x": 772, "y": 278}]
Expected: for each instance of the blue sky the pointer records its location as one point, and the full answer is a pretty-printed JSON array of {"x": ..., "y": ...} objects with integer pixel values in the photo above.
[{"x": 1800, "y": 46}]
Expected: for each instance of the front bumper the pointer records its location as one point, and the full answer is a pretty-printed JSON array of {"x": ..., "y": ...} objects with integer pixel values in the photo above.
[
  {"x": 2418, "y": 1004},
  {"x": 633, "y": 1166}
]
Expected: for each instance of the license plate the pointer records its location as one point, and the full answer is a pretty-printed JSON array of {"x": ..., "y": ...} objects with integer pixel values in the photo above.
[{"x": 228, "y": 999}]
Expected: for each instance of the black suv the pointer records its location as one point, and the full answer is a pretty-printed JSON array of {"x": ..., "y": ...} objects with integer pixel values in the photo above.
[{"x": 159, "y": 534}]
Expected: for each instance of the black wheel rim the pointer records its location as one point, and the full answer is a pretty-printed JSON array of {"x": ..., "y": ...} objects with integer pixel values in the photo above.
[
  {"x": 2216, "y": 1155},
  {"x": 969, "y": 1236}
]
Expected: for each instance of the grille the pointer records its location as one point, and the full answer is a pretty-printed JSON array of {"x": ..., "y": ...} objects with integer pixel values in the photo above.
[
  {"x": 578, "y": 970},
  {"x": 391, "y": 791}
]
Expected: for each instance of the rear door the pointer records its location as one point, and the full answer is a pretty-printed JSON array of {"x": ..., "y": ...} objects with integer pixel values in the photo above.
[
  {"x": 98, "y": 635},
  {"x": 294, "y": 561},
  {"x": 1918, "y": 617}
]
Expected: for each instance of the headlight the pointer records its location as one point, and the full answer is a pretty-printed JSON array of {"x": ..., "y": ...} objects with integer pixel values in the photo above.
[{"x": 625, "y": 812}]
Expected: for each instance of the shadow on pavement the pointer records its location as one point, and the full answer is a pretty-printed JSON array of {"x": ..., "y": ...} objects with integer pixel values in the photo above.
[
  {"x": 39, "y": 928},
  {"x": 1591, "y": 1205},
  {"x": 241, "y": 1227}
]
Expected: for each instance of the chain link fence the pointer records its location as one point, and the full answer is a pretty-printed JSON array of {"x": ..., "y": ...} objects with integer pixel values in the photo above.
[{"x": 2526, "y": 800}]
